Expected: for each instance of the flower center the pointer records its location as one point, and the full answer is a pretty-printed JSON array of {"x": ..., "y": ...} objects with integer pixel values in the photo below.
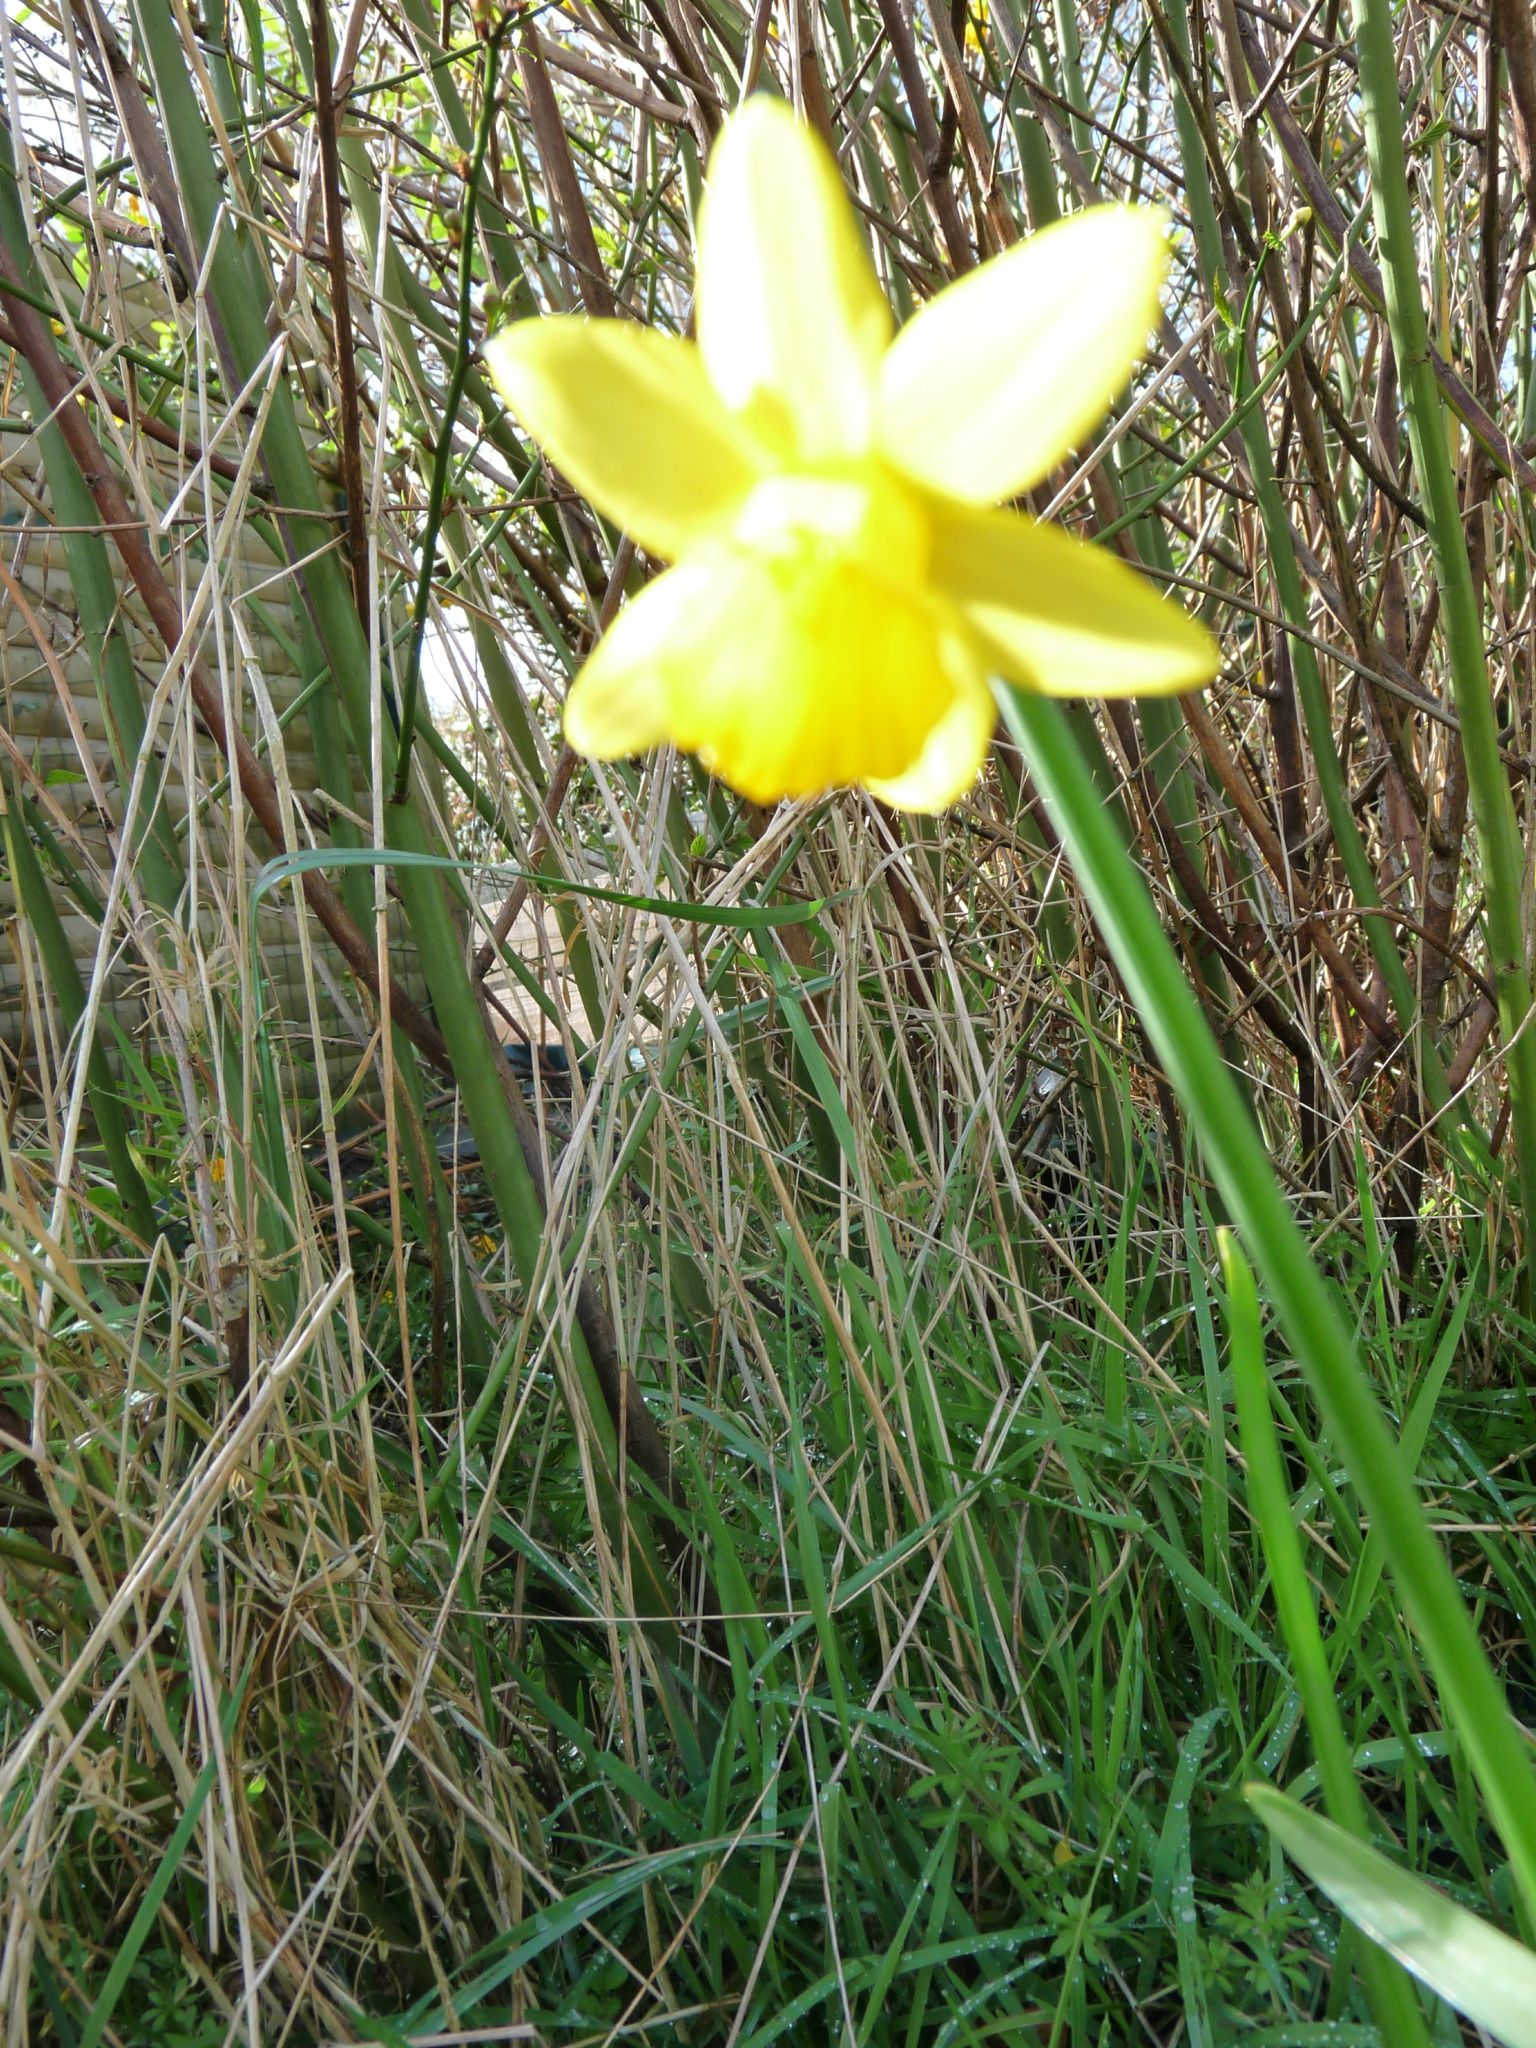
[{"x": 864, "y": 516}]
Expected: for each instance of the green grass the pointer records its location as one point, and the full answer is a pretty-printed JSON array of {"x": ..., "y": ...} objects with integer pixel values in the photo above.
[
  {"x": 889, "y": 1665},
  {"x": 964, "y": 1756},
  {"x": 955, "y": 1748}
]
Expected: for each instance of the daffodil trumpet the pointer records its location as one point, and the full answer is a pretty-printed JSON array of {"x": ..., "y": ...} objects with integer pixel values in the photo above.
[{"x": 842, "y": 586}]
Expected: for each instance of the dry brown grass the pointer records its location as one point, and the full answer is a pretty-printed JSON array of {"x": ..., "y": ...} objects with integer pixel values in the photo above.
[{"x": 309, "y": 1517}]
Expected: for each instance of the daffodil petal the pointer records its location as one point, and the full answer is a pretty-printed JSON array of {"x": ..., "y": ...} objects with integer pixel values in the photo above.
[
  {"x": 1062, "y": 617},
  {"x": 787, "y": 675},
  {"x": 629, "y": 415},
  {"x": 953, "y": 756},
  {"x": 792, "y": 322},
  {"x": 617, "y": 705},
  {"x": 831, "y": 676},
  {"x": 989, "y": 386}
]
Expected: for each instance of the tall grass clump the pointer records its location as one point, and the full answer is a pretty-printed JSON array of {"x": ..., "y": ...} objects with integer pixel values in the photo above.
[{"x": 626, "y": 1416}]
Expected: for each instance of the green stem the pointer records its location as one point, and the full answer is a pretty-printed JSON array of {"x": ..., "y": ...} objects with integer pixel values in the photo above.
[
  {"x": 1310, "y": 687},
  {"x": 1322, "y": 1341},
  {"x": 1392, "y": 1996},
  {"x": 443, "y": 454},
  {"x": 35, "y": 902}
]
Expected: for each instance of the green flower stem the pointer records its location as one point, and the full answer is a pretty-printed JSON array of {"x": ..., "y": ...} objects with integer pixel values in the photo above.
[
  {"x": 1393, "y": 1999},
  {"x": 1493, "y": 809},
  {"x": 1474, "y": 1700}
]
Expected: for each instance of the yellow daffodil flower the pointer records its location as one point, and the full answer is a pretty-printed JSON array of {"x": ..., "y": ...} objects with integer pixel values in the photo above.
[{"x": 843, "y": 587}]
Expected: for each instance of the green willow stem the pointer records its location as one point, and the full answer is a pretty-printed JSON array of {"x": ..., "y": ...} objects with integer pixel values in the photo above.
[
  {"x": 1311, "y": 691},
  {"x": 1321, "y": 1340},
  {"x": 443, "y": 454},
  {"x": 1245, "y": 406},
  {"x": 1493, "y": 809}
]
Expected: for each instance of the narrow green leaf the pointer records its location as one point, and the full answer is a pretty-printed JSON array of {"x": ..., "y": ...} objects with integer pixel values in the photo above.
[
  {"x": 736, "y": 916},
  {"x": 144, "y": 1919},
  {"x": 1485, "y": 1975}
]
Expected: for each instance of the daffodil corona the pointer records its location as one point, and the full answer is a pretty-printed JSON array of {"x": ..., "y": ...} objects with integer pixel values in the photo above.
[{"x": 842, "y": 587}]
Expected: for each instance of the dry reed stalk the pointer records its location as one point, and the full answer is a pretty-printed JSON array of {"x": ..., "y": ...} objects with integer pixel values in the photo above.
[{"x": 382, "y": 1537}]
